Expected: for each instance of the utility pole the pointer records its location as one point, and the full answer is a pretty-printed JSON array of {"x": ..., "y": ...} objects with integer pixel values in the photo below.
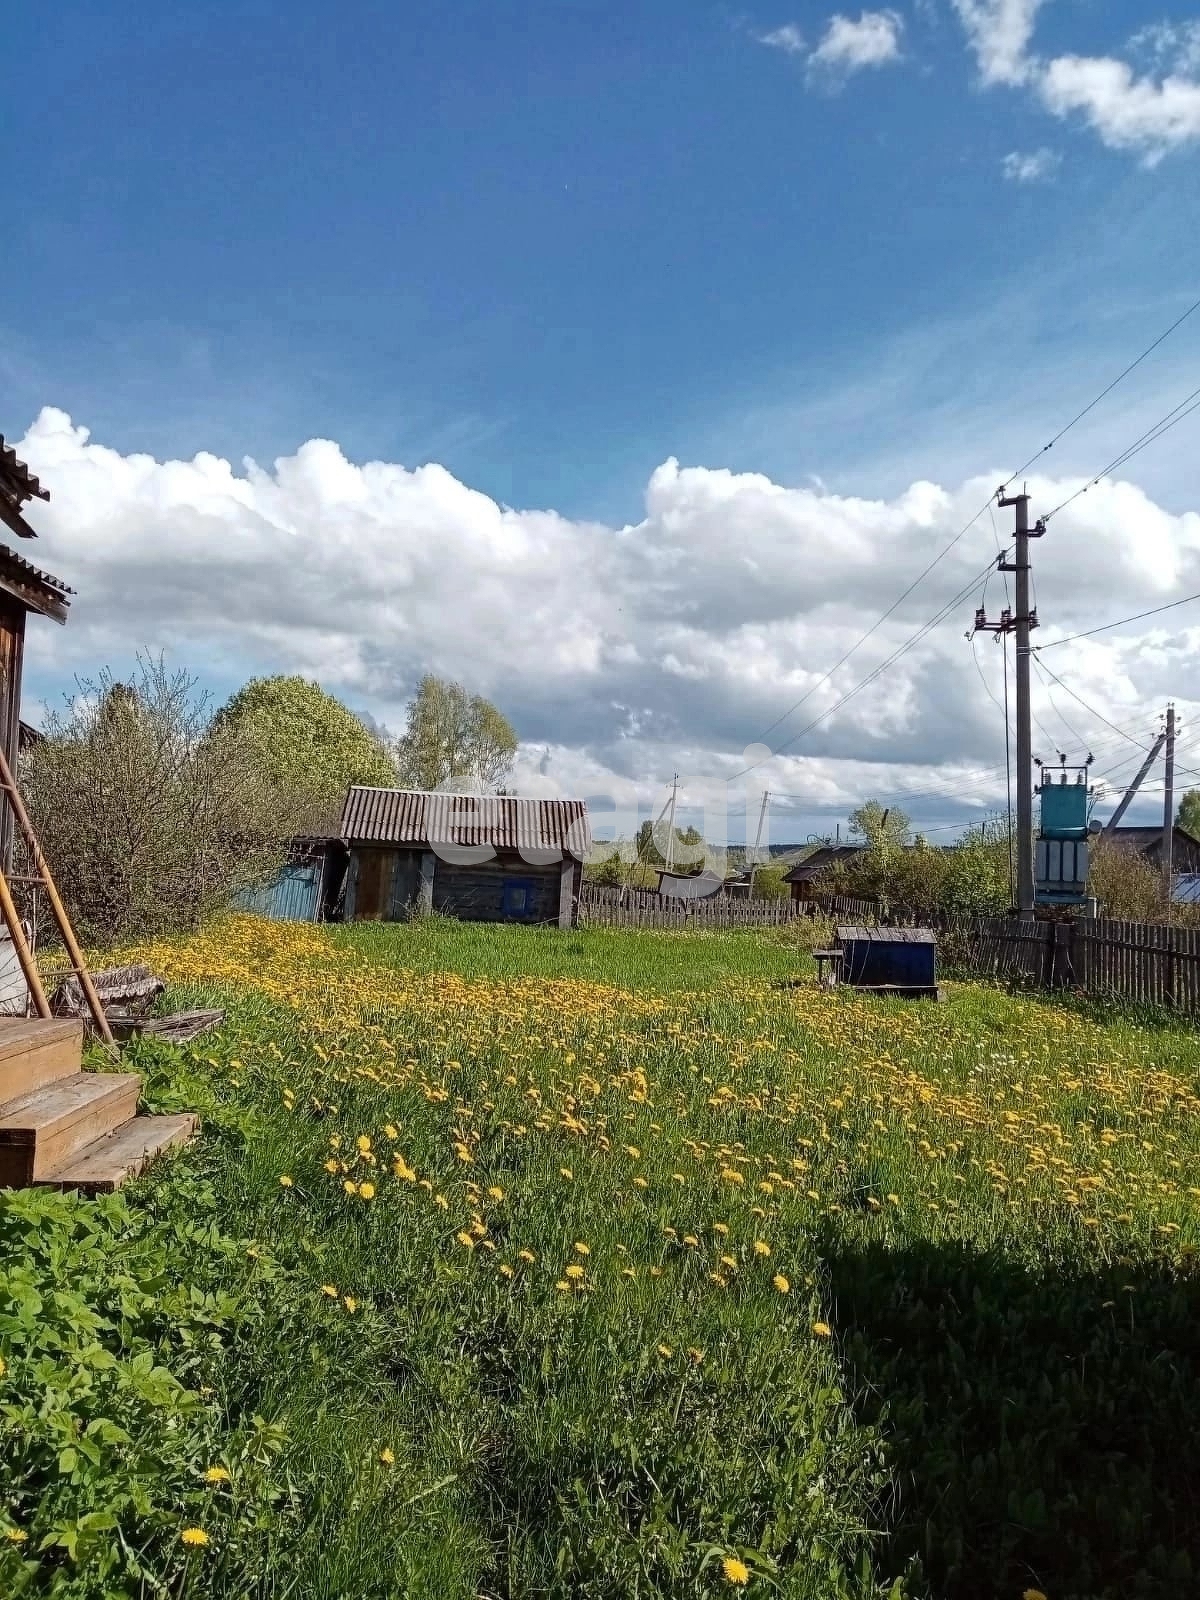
[
  {"x": 762, "y": 815},
  {"x": 1168, "y": 838},
  {"x": 1127, "y": 797},
  {"x": 670, "y": 851},
  {"x": 1022, "y": 624}
]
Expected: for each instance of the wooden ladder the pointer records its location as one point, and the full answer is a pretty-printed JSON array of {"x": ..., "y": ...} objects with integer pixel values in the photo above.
[{"x": 42, "y": 878}]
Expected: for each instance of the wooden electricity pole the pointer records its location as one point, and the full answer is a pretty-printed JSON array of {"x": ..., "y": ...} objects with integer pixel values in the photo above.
[
  {"x": 1168, "y": 835},
  {"x": 762, "y": 816},
  {"x": 669, "y": 855}
]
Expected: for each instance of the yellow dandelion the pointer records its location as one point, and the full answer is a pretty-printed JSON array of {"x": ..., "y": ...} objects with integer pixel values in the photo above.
[
  {"x": 194, "y": 1536},
  {"x": 665, "y": 1350},
  {"x": 1033, "y": 1594},
  {"x": 781, "y": 1283},
  {"x": 331, "y": 1165},
  {"x": 822, "y": 1330},
  {"x": 729, "y": 1261},
  {"x": 350, "y": 1303},
  {"x": 391, "y": 1133},
  {"x": 15, "y": 1535},
  {"x": 721, "y": 1227},
  {"x": 526, "y": 1255},
  {"x": 505, "y": 1270},
  {"x": 496, "y": 1192},
  {"x": 285, "y": 1181},
  {"x": 350, "y": 1186},
  {"x": 565, "y": 1172},
  {"x": 641, "y": 1183},
  {"x": 582, "y": 1249},
  {"x": 696, "y": 1355},
  {"x": 216, "y": 1475},
  {"x": 364, "y": 1143},
  {"x": 629, "y": 1272},
  {"x": 330, "y": 1290},
  {"x": 732, "y": 1175},
  {"x": 387, "y": 1457},
  {"x": 575, "y": 1272},
  {"x": 562, "y": 1285},
  {"x": 761, "y": 1247},
  {"x": 736, "y": 1572},
  {"x": 465, "y": 1239}
]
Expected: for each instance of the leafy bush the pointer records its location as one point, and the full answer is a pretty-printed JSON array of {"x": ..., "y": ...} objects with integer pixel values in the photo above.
[{"x": 150, "y": 815}]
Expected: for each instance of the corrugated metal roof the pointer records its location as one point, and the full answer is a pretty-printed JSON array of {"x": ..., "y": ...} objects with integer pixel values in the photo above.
[
  {"x": 417, "y": 816},
  {"x": 17, "y": 484},
  {"x": 40, "y": 591}
]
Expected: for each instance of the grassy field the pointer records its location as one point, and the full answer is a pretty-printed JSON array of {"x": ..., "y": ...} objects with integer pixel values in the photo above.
[{"x": 521, "y": 1264}]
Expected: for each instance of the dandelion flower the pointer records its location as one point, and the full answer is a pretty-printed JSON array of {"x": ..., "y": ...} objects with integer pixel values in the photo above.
[
  {"x": 331, "y": 1165},
  {"x": 350, "y": 1303},
  {"x": 330, "y": 1289},
  {"x": 3, "y": 1366},
  {"x": 526, "y": 1255},
  {"x": 465, "y": 1239},
  {"x": 216, "y": 1475},
  {"x": 665, "y": 1350},
  {"x": 582, "y": 1249},
  {"x": 284, "y": 1181},
  {"x": 387, "y": 1457},
  {"x": 696, "y": 1355},
  {"x": 350, "y": 1186},
  {"x": 732, "y": 1175},
  {"x": 822, "y": 1330},
  {"x": 391, "y": 1133},
  {"x": 574, "y": 1272},
  {"x": 629, "y": 1272},
  {"x": 15, "y": 1535},
  {"x": 761, "y": 1247},
  {"x": 505, "y": 1270},
  {"x": 194, "y": 1536},
  {"x": 565, "y": 1172},
  {"x": 721, "y": 1227},
  {"x": 780, "y": 1282},
  {"x": 562, "y": 1285},
  {"x": 495, "y": 1192},
  {"x": 364, "y": 1143},
  {"x": 1033, "y": 1594},
  {"x": 641, "y": 1183},
  {"x": 736, "y": 1572}
]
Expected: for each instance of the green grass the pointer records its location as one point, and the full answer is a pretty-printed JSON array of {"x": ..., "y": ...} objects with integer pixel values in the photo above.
[{"x": 989, "y": 1204}]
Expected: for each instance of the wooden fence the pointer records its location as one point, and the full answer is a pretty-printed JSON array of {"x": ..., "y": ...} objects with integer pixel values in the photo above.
[{"x": 1145, "y": 963}]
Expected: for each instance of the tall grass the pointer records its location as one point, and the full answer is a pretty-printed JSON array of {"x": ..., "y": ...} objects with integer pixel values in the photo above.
[{"x": 618, "y": 1264}]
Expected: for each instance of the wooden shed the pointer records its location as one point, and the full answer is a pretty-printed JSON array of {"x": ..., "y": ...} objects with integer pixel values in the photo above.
[
  {"x": 806, "y": 877},
  {"x": 484, "y": 858}
]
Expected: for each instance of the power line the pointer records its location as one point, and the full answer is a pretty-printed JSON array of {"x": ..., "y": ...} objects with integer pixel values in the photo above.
[
  {"x": 1163, "y": 425},
  {"x": 1104, "y": 393},
  {"x": 1091, "y": 710},
  {"x": 1120, "y": 622},
  {"x": 871, "y": 676}
]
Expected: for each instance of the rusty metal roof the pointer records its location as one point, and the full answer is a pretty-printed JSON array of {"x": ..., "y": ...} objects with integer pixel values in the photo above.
[
  {"x": 419, "y": 817},
  {"x": 36, "y": 590},
  {"x": 17, "y": 484}
]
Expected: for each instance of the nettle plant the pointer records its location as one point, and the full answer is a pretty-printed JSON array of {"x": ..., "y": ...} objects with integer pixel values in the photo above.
[{"x": 110, "y": 1475}]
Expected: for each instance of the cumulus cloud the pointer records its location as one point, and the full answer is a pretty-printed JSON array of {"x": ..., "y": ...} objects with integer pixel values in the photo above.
[
  {"x": 999, "y": 32},
  {"x": 849, "y": 45},
  {"x": 620, "y": 653},
  {"x": 1031, "y": 166},
  {"x": 788, "y": 38},
  {"x": 1148, "y": 115},
  {"x": 1143, "y": 115}
]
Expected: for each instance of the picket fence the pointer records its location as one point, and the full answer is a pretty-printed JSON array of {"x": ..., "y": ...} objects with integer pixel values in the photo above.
[{"x": 602, "y": 906}]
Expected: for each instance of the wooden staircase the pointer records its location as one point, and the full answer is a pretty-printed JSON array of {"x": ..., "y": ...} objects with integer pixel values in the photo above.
[{"x": 65, "y": 1128}]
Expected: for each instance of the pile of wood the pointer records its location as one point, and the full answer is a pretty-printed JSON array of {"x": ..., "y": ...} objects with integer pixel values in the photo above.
[{"x": 127, "y": 994}]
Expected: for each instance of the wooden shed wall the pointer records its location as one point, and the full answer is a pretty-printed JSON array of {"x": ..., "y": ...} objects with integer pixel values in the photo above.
[
  {"x": 385, "y": 885},
  {"x": 476, "y": 893}
]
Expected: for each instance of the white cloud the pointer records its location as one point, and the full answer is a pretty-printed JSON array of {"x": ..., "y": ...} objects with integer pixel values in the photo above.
[
  {"x": 1129, "y": 113},
  {"x": 1148, "y": 115},
  {"x": 1169, "y": 46},
  {"x": 621, "y": 654},
  {"x": 999, "y": 32},
  {"x": 849, "y": 46},
  {"x": 1031, "y": 166},
  {"x": 789, "y": 39}
]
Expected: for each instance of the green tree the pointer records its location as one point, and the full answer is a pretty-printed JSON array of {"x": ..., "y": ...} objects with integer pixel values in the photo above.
[
  {"x": 309, "y": 746},
  {"x": 151, "y": 815},
  {"x": 879, "y": 824},
  {"x": 452, "y": 734},
  {"x": 1188, "y": 815}
]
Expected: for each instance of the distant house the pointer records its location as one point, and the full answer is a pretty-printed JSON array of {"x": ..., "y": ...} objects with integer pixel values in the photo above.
[
  {"x": 1147, "y": 842},
  {"x": 805, "y": 876},
  {"x": 484, "y": 858},
  {"x": 689, "y": 885}
]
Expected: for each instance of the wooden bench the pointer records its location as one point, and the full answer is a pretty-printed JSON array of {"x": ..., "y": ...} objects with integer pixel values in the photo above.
[{"x": 833, "y": 957}]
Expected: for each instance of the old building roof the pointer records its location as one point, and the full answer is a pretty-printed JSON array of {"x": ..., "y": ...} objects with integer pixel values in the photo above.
[
  {"x": 421, "y": 817},
  {"x": 36, "y": 590},
  {"x": 824, "y": 857},
  {"x": 17, "y": 485}
]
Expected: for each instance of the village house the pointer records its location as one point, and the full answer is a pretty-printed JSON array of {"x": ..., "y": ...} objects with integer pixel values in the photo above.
[{"x": 484, "y": 858}]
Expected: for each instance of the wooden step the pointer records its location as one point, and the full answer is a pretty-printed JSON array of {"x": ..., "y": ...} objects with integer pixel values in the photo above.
[
  {"x": 36, "y": 1051},
  {"x": 46, "y": 1127},
  {"x": 109, "y": 1162}
]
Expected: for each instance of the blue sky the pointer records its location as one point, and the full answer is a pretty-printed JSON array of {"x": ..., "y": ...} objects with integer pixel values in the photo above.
[{"x": 551, "y": 245}]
